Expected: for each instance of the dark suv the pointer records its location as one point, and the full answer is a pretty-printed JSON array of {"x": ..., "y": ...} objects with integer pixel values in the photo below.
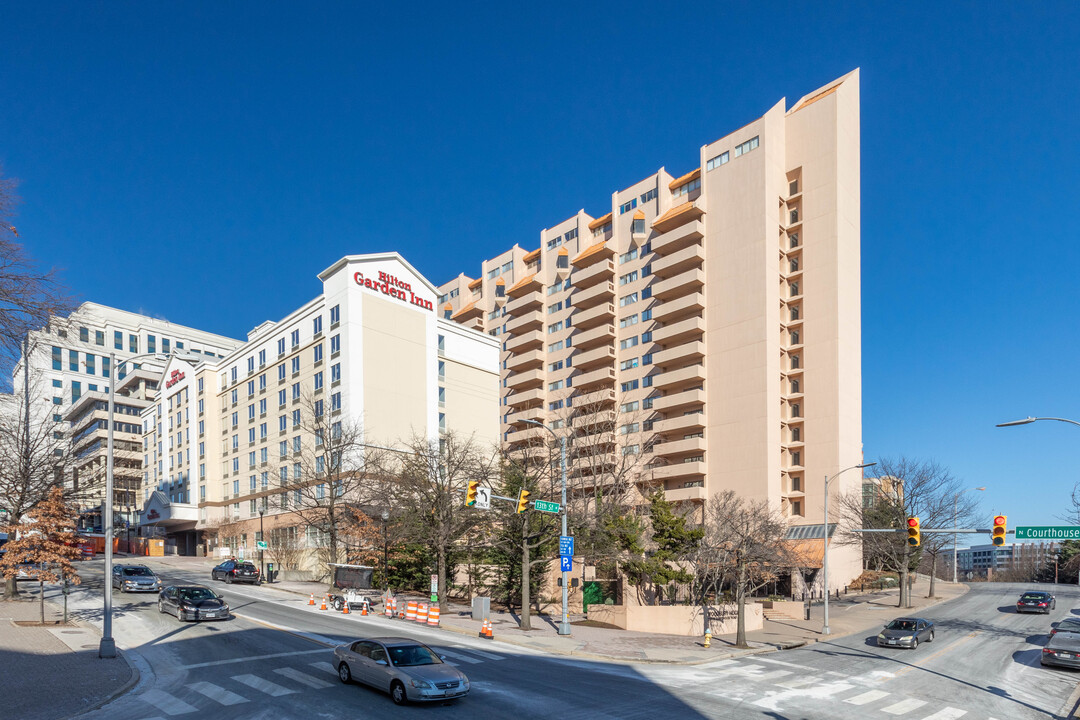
[{"x": 236, "y": 571}]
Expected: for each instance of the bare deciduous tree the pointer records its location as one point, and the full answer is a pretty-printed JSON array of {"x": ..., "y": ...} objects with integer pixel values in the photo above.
[{"x": 743, "y": 547}]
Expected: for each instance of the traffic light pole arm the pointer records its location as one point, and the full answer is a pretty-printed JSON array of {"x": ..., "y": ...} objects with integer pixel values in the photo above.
[{"x": 929, "y": 530}]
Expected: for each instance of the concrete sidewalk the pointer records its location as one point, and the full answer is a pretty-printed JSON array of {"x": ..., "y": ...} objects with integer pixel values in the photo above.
[
  {"x": 853, "y": 613},
  {"x": 54, "y": 672}
]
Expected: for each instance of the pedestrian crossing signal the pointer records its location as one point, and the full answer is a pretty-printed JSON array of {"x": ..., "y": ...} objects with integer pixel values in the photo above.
[
  {"x": 997, "y": 535},
  {"x": 914, "y": 537}
]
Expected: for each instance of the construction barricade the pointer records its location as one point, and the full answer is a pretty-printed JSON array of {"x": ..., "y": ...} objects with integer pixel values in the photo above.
[
  {"x": 410, "y": 611},
  {"x": 421, "y": 613},
  {"x": 433, "y": 616}
]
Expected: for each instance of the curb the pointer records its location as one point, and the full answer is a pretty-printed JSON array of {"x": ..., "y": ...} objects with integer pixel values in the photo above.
[{"x": 1069, "y": 709}]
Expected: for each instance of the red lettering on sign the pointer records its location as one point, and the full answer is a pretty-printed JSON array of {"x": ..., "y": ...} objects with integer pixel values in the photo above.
[
  {"x": 388, "y": 284},
  {"x": 175, "y": 377}
]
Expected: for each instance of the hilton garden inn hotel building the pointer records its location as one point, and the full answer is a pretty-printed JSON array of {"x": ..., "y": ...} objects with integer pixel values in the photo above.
[
  {"x": 715, "y": 310},
  {"x": 370, "y": 350}
]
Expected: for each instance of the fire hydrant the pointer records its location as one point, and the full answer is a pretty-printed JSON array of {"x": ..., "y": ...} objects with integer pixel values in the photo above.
[{"x": 708, "y": 637}]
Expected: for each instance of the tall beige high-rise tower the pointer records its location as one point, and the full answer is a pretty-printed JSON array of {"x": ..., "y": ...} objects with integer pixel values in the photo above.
[{"x": 717, "y": 311}]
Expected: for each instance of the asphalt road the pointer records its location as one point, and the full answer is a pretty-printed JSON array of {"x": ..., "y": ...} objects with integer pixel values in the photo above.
[{"x": 270, "y": 662}]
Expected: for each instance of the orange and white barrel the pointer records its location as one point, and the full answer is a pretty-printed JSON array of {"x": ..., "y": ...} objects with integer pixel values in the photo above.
[
  {"x": 433, "y": 616},
  {"x": 410, "y": 611},
  {"x": 422, "y": 613}
]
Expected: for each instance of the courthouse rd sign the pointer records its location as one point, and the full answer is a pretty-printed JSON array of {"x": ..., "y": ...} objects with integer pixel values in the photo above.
[{"x": 1060, "y": 532}]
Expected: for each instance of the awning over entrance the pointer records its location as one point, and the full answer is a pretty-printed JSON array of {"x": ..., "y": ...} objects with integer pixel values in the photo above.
[
  {"x": 159, "y": 510},
  {"x": 806, "y": 553}
]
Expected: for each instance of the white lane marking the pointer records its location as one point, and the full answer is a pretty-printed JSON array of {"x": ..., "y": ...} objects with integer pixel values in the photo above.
[
  {"x": 800, "y": 682},
  {"x": 325, "y": 666},
  {"x": 462, "y": 658},
  {"x": 256, "y": 682},
  {"x": 166, "y": 703},
  {"x": 217, "y": 693},
  {"x": 777, "y": 662},
  {"x": 949, "y": 713},
  {"x": 904, "y": 706},
  {"x": 481, "y": 653},
  {"x": 303, "y": 678},
  {"x": 822, "y": 691},
  {"x": 252, "y": 658},
  {"x": 715, "y": 664},
  {"x": 867, "y": 697}
]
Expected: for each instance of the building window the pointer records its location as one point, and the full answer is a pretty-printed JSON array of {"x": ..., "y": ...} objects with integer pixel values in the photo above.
[
  {"x": 151, "y": 344},
  {"x": 628, "y": 364},
  {"x": 627, "y": 207},
  {"x": 687, "y": 188},
  {"x": 133, "y": 343},
  {"x": 442, "y": 396},
  {"x": 628, "y": 277},
  {"x": 294, "y": 336},
  {"x": 296, "y": 365},
  {"x": 281, "y": 347},
  {"x": 628, "y": 299},
  {"x": 442, "y": 422},
  {"x": 316, "y": 325},
  {"x": 647, "y": 196},
  {"x": 628, "y": 343},
  {"x": 335, "y": 402},
  {"x": 628, "y": 386},
  {"x": 627, "y": 257},
  {"x": 335, "y": 315},
  {"x": 281, "y": 372},
  {"x": 555, "y": 327},
  {"x": 637, "y": 227},
  {"x": 57, "y": 358},
  {"x": 743, "y": 148},
  {"x": 562, "y": 262},
  {"x": 717, "y": 161}
]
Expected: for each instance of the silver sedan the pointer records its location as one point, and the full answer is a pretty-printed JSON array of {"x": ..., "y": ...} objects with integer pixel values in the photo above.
[{"x": 408, "y": 670}]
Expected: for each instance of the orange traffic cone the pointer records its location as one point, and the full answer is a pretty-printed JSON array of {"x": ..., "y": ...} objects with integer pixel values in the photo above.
[
  {"x": 323, "y": 606},
  {"x": 363, "y": 609},
  {"x": 312, "y": 600},
  {"x": 485, "y": 630},
  {"x": 345, "y": 608},
  {"x": 390, "y": 608}
]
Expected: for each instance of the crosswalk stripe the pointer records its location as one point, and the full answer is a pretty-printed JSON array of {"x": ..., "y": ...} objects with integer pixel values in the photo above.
[
  {"x": 904, "y": 706},
  {"x": 949, "y": 713},
  {"x": 325, "y": 666},
  {"x": 166, "y": 703},
  {"x": 256, "y": 682},
  {"x": 303, "y": 678},
  {"x": 217, "y": 693},
  {"x": 800, "y": 682},
  {"x": 867, "y": 697},
  {"x": 463, "y": 658},
  {"x": 481, "y": 653}
]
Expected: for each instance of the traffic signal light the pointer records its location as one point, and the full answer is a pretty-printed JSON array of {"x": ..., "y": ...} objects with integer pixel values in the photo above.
[
  {"x": 523, "y": 501},
  {"x": 470, "y": 494},
  {"x": 997, "y": 535},
  {"x": 913, "y": 535}
]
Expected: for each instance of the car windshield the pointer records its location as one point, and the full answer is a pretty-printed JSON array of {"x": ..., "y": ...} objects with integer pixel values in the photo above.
[
  {"x": 412, "y": 655},
  {"x": 246, "y": 566},
  {"x": 196, "y": 594},
  {"x": 901, "y": 625},
  {"x": 140, "y": 571}
]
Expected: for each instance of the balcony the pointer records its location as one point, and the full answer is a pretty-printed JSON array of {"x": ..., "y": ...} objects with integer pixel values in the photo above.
[
  {"x": 525, "y": 380},
  {"x": 683, "y": 331},
  {"x": 692, "y": 493},
  {"x": 604, "y": 334},
  {"x": 602, "y": 313},
  {"x": 600, "y": 293},
  {"x": 525, "y": 360},
  {"x": 693, "y": 446},
  {"x": 599, "y": 272},
  {"x": 590, "y": 380},
  {"x": 524, "y": 323},
  {"x": 683, "y": 471},
  {"x": 594, "y": 400},
  {"x": 524, "y": 303},
  {"x": 603, "y": 355},
  {"x": 682, "y": 353},
  {"x": 678, "y": 402},
  {"x": 679, "y": 237},
  {"x": 679, "y": 308},
  {"x": 675, "y": 263},
  {"x": 534, "y": 339},
  {"x": 595, "y": 419},
  {"x": 692, "y": 376},
  {"x": 690, "y": 281},
  {"x": 526, "y": 398},
  {"x": 682, "y": 424},
  {"x": 532, "y": 436},
  {"x": 536, "y": 413}
]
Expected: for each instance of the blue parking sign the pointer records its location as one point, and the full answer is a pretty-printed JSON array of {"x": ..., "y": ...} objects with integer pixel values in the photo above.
[
  {"x": 566, "y": 545},
  {"x": 566, "y": 563}
]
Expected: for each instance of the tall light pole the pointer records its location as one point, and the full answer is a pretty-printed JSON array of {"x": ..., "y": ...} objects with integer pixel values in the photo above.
[
  {"x": 107, "y": 646},
  {"x": 955, "y": 522},
  {"x": 564, "y": 625},
  {"x": 385, "y": 554},
  {"x": 825, "y": 554},
  {"x": 262, "y": 539}
]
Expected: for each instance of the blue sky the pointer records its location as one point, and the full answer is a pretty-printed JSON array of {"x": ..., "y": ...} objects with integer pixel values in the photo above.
[{"x": 160, "y": 144}]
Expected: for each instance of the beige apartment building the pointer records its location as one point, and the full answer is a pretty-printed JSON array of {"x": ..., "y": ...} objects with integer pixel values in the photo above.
[
  {"x": 225, "y": 439},
  {"x": 716, "y": 314}
]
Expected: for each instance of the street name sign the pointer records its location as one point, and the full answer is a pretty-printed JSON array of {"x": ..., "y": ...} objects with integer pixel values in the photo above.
[
  {"x": 546, "y": 506},
  {"x": 1047, "y": 532},
  {"x": 566, "y": 546},
  {"x": 261, "y": 545},
  {"x": 483, "y": 498}
]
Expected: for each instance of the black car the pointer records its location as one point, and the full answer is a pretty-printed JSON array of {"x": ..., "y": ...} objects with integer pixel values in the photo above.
[
  {"x": 1063, "y": 649},
  {"x": 1036, "y": 601},
  {"x": 906, "y": 632},
  {"x": 1069, "y": 624},
  {"x": 192, "y": 602},
  {"x": 236, "y": 571}
]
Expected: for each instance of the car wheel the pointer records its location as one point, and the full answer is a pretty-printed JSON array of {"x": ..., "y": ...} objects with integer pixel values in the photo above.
[
  {"x": 397, "y": 693},
  {"x": 338, "y": 604},
  {"x": 228, "y": 579},
  {"x": 179, "y": 615},
  {"x": 160, "y": 606},
  {"x": 344, "y": 673},
  {"x": 914, "y": 643},
  {"x": 931, "y": 638}
]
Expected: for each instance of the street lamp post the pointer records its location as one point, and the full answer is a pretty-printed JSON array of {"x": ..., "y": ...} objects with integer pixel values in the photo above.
[
  {"x": 825, "y": 554},
  {"x": 1029, "y": 420},
  {"x": 385, "y": 554},
  {"x": 107, "y": 646},
  {"x": 564, "y": 625},
  {"x": 956, "y": 521},
  {"x": 262, "y": 539}
]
